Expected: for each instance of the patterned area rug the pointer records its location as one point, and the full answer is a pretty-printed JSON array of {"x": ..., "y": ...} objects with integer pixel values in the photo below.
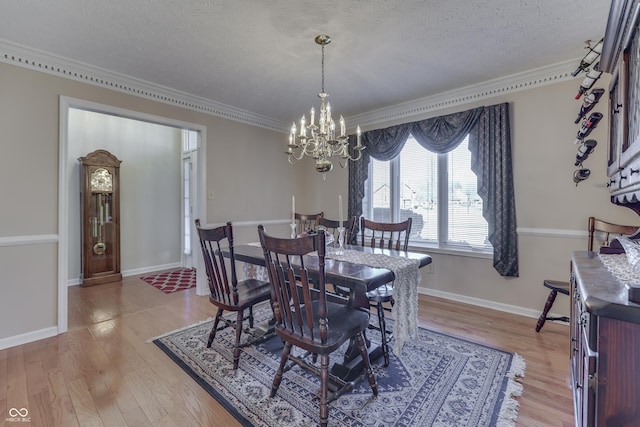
[
  {"x": 172, "y": 281},
  {"x": 438, "y": 380}
]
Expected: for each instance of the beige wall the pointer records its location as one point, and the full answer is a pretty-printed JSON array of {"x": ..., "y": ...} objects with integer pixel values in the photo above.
[
  {"x": 551, "y": 211},
  {"x": 252, "y": 183},
  {"x": 250, "y": 179}
]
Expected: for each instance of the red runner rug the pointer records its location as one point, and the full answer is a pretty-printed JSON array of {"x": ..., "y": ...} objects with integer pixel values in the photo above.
[{"x": 172, "y": 281}]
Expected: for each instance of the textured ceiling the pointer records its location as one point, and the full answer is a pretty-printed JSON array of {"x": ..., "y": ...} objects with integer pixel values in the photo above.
[{"x": 260, "y": 55}]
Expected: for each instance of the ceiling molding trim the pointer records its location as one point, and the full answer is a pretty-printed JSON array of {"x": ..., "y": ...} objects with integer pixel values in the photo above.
[
  {"x": 25, "y": 57},
  {"x": 517, "y": 82},
  {"x": 22, "y": 56}
]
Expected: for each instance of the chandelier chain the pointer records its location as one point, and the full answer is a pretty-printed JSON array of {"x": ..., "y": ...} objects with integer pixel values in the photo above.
[{"x": 322, "y": 69}]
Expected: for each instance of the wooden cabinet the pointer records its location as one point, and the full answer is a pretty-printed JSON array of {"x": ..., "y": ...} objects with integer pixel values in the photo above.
[
  {"x": 605, "y": 347},
  {"x": 100, "y": 204},
  {"x": 621, "y": 58}
]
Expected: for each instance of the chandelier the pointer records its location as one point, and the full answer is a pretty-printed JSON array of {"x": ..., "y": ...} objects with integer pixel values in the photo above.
[{"x": 321, "y": 141}]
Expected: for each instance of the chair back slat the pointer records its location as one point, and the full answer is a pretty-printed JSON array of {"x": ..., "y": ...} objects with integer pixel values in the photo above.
[
  {"x": 306, "y": 222},
  {"x": 296, "y": 301},
  {"x": 385, "y": 235},
  {"x": 222, "y": 280},
  {"x": 608, "y": 228},
  {"x": 331, "y": 226}
]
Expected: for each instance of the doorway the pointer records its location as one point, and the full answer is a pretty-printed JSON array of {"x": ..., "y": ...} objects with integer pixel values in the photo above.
[{"x": 196, "y": 180}]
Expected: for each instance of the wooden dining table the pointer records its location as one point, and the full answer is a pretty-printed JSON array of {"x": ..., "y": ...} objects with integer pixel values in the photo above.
[{"x": 359, "y": 278}]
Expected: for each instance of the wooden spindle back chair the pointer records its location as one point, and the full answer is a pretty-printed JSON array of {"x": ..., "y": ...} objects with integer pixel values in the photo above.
[
  {"x": 384, "y": 235},
  {"x": 306, "y": 319},
  {"x": 306, "y": 222},
  {"x": 226, "y": 292}
]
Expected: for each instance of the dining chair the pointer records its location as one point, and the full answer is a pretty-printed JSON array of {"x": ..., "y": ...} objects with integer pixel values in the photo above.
[
  {"x": 594, "y": 226},
  {"x": 331, "y": 226},
  {"x": 304, "y": 317},
  {"x": 305, "y": 222},
  {"x": 388, "y": 235},
  {"x": 226, "y": 292}
]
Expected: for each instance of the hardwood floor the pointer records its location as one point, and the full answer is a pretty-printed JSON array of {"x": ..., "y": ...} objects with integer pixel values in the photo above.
[{"x": 104, "y": 372}]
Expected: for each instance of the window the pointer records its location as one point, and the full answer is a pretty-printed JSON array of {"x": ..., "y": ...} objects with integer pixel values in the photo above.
[{"x": 439, "y": 191}]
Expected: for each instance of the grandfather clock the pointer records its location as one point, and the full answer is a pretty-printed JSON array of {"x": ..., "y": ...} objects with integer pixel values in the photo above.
[{"x": 100, "y": 204}]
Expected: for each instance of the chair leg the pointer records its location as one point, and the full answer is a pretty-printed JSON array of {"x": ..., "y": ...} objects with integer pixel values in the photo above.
[
  {"x": 383, "y": 333},
  {"x": 324, "y": 390},
  {"x": 547, "y": 306},
  {"x": 278, "y": 377},
  {"x": 367, "y": 363},
  {"x": 236, "y": 348},
  {"x": 212, "y": 334},
  {"x": 251, "y": 317}
]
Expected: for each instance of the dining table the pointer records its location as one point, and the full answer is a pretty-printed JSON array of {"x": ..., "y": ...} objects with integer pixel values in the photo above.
[{"x": 361, "y": 269}]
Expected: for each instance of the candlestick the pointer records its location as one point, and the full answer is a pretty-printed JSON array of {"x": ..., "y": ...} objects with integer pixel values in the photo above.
[
  {"x": 340, "y": 249},
  {"x": 293, "y": 209},
  {"x": 340, "y": 209}
]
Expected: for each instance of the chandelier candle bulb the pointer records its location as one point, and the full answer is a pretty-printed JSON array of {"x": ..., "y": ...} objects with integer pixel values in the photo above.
[
  {"x": 358, "y": 132},
  {"x": 342, "y": 126},
  {"x": 313, "y": 113},
  {"x": 303, "y": 129}
]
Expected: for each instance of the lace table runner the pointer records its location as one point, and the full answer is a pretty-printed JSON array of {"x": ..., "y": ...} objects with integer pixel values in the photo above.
[
  {"x": 405, "y": 289},
  {"x": 619, "y": 266}
]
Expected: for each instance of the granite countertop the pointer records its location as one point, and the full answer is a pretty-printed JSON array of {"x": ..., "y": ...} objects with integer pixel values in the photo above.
[{"x": 604, "y": 294}]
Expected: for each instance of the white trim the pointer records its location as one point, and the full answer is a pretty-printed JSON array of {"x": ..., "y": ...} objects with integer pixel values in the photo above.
[
  {"x": 28, "y": 337},
  {"x": 136, "y": 272},
  {"x": 537, "y": 77},
  {"x": 22, "y": 56},
  {"x": 237, "y": 224},
  {"x": 63, "y": 214},
  {"x": 507, "y": 308},
  {"x": 38, "y": 239},
  {"x": 552, "y": 232}
]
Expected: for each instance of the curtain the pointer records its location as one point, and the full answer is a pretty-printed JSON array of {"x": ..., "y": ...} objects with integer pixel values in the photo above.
[{"x": 490, "y": 146}]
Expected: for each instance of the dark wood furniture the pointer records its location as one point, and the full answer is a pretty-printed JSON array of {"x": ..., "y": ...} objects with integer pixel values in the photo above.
[
  {"x": 305, "y": 222},
  {"x": 100, "y": 205},
  {"x": 331, "y": 226},
  {"x": 594, "y": 226},
  {"x": 359, "y": 278},
  {"x": 619, "y": 57},
  {"x": 306, "y": 319},
  {"x": 226, "y": 292},
  {"x": 391, "y": 236},
  {"x": 605, "y": 346}
]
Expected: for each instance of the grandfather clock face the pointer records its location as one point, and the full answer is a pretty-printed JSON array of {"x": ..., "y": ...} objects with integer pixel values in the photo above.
[{"x": 101, "y": 180}]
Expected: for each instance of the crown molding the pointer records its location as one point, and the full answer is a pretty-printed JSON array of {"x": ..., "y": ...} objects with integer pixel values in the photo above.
[
  {"x": 22, "y": 56},
  {"x": 514, "y": 83}
]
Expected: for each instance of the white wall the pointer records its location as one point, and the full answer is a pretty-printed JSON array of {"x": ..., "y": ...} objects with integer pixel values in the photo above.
[{"x": 150, "y": 187}]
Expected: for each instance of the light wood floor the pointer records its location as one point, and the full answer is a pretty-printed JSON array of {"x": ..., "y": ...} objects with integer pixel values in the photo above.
[{"x": 103, "y": 372}]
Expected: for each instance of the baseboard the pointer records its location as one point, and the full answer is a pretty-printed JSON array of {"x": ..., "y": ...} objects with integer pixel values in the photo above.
[
  {"x": 134, "y": 272},
  {"x": 28, "y": 337},
  {"x": 507, "y": 308}
]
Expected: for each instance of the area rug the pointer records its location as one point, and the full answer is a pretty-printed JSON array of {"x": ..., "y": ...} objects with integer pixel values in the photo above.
[
  {"x": 172, "y": 281},
  {"x": 438, "y": 380}
]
